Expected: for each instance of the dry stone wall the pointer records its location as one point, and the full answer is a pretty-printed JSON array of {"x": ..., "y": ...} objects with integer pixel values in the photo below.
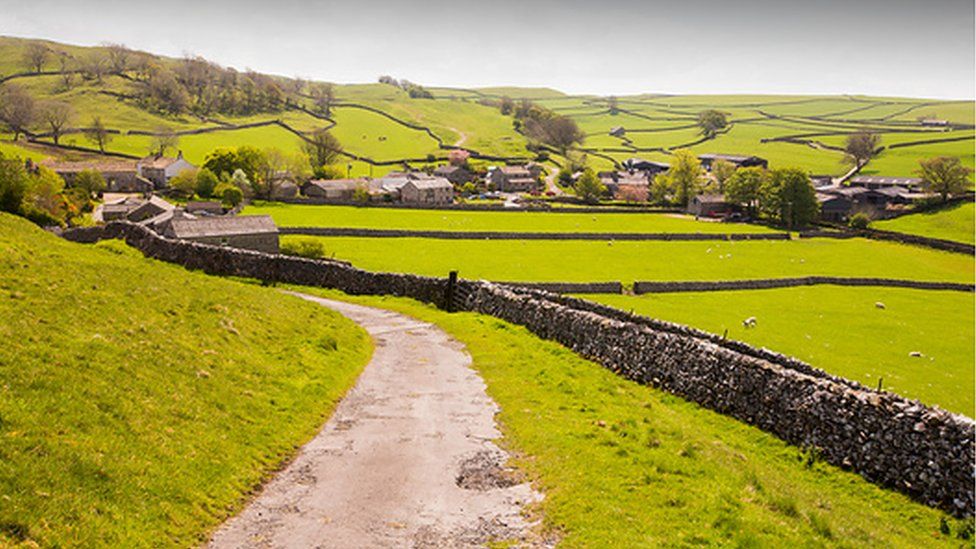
[
  {"x": 922, "y": 451},
  {"x": 507, "y": 235},
  {"x": 768, "y": 283}
]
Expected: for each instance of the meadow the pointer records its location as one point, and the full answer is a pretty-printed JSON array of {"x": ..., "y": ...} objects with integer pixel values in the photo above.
[
  {"x": 141, "y": 403},
  {"x": 625, "y": 465},
  {"x": 952, "y": 223},
  {"x": 301, "y": 215},
  {"x": 842, "y": 331},
  {"x": 589, "y": 261}
]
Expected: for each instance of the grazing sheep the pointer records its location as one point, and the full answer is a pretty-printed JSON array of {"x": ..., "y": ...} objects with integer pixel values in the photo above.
[
  {"x": 749, "y": 322},
  {"x": 915, "y": 354},
  {"x": 879, "y": 305}
]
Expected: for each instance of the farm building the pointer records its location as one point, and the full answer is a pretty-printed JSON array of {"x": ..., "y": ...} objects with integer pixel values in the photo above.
[
  {"x": 710, "y": 205},
  {"x": 934, "y": 122},
  {"x": 618, "y": 131},
  {"x": 455, "y": 174},
  {"x": 834, "y": 208},
  {"x": 340, "y": 190},
  {"x": 120, "y": 175},
  {"x": 819, "y": 181},
  {"x": 513, "y": 179},
  {"x": 427, "y": 191},
  {"x": 250, "y": 232},
  {"x": 283, "y": 188},
  {"x": 649, "y": 167},
  {"x": 616, "y": 181},
  {"x": 160, "y": 169},
  {"x": 132, "y": 209},
  {"x": 736, "y": 160},
  {"x": 208, "y": 207},
  {"x": 883, "y": 181}
]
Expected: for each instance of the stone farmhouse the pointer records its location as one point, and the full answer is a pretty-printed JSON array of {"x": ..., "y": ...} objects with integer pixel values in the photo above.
[
  {"x": 710, "y": 205},
  {"x": 132, "y": 209},
  {"x": 870, "y": 194},
  {"x": 427, "y": 191},
  {"x": 120, "y": 176},
  {"x": 649, "y": 167},
  {"x": 339, "y": 190},
  {"x": 160, "y": 169},
  {"x": 615, "y": 182},
  {"x": 457, "y": 175},
  {"x": 738, "y": 161},
  {"x": 513, "y": 179},
  {"x": 250, "y": 232}
]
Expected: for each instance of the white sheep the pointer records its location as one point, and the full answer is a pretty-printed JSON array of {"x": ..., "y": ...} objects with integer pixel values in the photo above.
[
  {"x": 879, "y": 305},
  {"x": 749, "y": 322}
]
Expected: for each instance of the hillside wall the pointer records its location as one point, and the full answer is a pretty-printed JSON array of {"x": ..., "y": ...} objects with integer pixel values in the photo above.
[
  {"x": 922, "y": 451},
  {"x": 768, "y": 283}
]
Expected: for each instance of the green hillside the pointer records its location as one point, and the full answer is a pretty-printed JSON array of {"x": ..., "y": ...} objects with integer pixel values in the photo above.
[
  {"x": 141, "y": 403},
  {"x": 384, "y": 125}
]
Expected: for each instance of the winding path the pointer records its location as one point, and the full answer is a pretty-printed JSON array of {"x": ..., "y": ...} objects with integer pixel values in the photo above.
[{"x": 407, "y": 459}]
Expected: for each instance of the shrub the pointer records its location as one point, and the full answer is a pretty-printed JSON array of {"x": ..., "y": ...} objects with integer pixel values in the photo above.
[
  {"x": 859, "y": 221},
  {"x": 329, "y": 171},
  {"x": 206, "y": 183},
  {"x": 230, "y": 195},
  {"x": 304, "y": 247}
]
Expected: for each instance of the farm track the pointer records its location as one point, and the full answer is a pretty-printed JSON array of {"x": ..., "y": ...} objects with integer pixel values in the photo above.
[{"x": 407, "y": 459}]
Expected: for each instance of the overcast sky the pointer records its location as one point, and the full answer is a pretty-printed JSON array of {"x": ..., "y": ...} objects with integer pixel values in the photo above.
[{"x": 922, "y": 48}]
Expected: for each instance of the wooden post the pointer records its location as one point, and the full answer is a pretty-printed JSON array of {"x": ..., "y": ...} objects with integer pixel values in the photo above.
[{"x": 451, "y": 289}]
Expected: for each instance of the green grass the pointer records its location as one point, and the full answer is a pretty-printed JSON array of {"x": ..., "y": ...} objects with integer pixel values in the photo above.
[
  {"x": 298, "y": 215},
  {"x": 840, "y": 330},
  {"x": 520, "y": 260},
  {"x": 624, "y": 465},
  {"x": 140, "y": 404},
  {"x": 370, "y": 134},
  {"x": 953, "y": 223}
]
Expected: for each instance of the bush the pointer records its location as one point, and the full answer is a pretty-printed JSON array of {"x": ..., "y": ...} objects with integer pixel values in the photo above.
[
  {"x": 311, "y": 249},
  {"x": 230, "y": 195},
  {"x": 329, "y": 171},
  {"x": 206, "y": 183},
  {"x": 859, "y": 221}
]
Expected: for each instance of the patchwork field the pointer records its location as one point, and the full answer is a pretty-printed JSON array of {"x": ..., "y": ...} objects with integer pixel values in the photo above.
[
  {"x": 952, "y": 223},
  {"x": 300, "y": 215},
  {"x": 842, "y": 331},
  {"x": 575, "y": 261},
  {"x": 140, "y": 403},
  {"x": 626, "y": 465}
]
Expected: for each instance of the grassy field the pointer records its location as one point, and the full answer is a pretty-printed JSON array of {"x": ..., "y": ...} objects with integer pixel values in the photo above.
[
  {"x": 300, "y": 215},
  {"x": 842, "y": 331},
  {"x": 570, "y": 261},
  {"x": 140, "y": 403},
  {"x": 624, "y": 465},
  {"x": 952, "y": 223}
]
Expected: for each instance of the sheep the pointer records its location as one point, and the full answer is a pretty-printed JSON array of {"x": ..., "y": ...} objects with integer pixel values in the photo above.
[
  {"x": 879, "y": 305},
  {"x": 749, "y": 322}
]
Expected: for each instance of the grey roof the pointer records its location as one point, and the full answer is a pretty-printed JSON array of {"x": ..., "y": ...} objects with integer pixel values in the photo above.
[
  {"x": 337, "y": 184},
  {"x": 222, "y": 226},
  {"x": 729, "y": 157},
  {"x": 434, "y": 183},
  {"x": 885, "y": 180},
  {"x": 711, "y": 199}
]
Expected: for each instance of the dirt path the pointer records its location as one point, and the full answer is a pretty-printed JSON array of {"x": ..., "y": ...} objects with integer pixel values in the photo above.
[
  {"x": 406, "y": 459},
  {"x": 461, "y": 140}
]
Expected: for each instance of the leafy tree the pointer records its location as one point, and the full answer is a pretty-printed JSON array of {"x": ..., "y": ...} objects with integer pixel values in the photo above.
[
  {"x": 686, "y": 176},
  {"x": 57, "y": 115},
  {"x": 322, "y": 148},
  {"x": 554, "y": 130},
  {"x": 35, "y": 55},
  {"x": 17, "y": 109},
  {"x": 711, "y": 121},
  {"x": 861, "y": 147},
  {"x": 612, "y": 105},
  {"x": 744, "y": 187},
  {"x": 44, "y": 201},
  {"x": 13, "y": 184},
  {"x": 506, "y": 105},
  {"x": 95, "y": 65},
  {"x": 91, "y": 181},
  {"x": 323, "y": 95},
  {"x": 184, "y": 183},
  {"x": 565, "y": 176},
  {"x": 588, "y": 186},
  {"x": 331, "y": 171},
  {"x": 789, "y": 197},
  {"x": 98, "y": 134},
  {"x": 229, "y": 194},
  {"x": 164, "y": 139},
  {"x": 242, "y": 182},
  {"x": 206, "y": 183},
  {"x": 722, "y": 170},
  {"x": 659, "y": 190},
  {"x": 227, "y": 161},
  {"x": 944, "y": 175}
]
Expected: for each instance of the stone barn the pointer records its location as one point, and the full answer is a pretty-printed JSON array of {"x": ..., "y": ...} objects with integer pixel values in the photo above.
[
  {"x": 249, "y": 232},
  {"x": 710, "y": 205}
]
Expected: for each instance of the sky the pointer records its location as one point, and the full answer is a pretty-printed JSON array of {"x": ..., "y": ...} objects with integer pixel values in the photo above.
[{"x": 922, "y": 48}]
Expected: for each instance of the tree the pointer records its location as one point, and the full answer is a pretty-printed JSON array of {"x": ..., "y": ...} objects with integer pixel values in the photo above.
[
  {"x": 458, "y": 157},
  {"x": 57, "y": 115},
  {"x": 588, "y": 187},
  {"x": 788, "y": 197},
  {"x": 944, "y": 175},
  {"x": 206, "y": 183},
  {"x": 44, "y": 201},
  {"x": 67, "y": 75},
  {"x": 98, "y": 134},
  {"x": 722, "y": 170},
  {"x": 859, "y": 220},
  {"x": 91, "y": 181},
  {"x": 13, "y": 184},
  {"x": 361, "y": 195},
  {"x": 322, "y": 148},
  {"x": 861, "y": 147},
  {"x": 35, "y": 55},
  {"x": 554, "y": 130},
  {"x": 95, "y": 65},
  {"x": 686, "y": 176},
  {"x": 229, "y": 194},
  {"x": 506, "y": 105},
  {"x": 711, "y": 121},
  {"x": 164, "y": 139},
  {"x": 323, "y": 95},
  {"x": 227, "y": 161},
  {"x": 633, "y": 193},
  {"x": 184, "y": 183},
  {"x": 118, "y": 57},
  {"x": 17, "y": 109},
  {"x": 241, "y": 182},
  {"x": 744, "y": 187},
  {"x": 329, "y": 171},
  {"x": 612, "y": 105}
]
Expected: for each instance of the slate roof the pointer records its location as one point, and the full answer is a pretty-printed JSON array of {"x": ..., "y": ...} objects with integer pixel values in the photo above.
[
  {"x": 222, "y": 226},
  {"x": 158, "y": 162},
  {"x": 96, "y": 165},
  {"x": 885, "y": 180},
  {"x": 435, "y": 183},
  {"x": 711, "y": 199}
]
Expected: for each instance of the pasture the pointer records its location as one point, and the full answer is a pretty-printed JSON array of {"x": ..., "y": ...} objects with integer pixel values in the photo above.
[
  {"x": 952, "y": 223},
  {"x": 301, "y": 215},
  {"x": 575, "y": 261},
  {"x": 842, "y": 331},
  {"x": 142, "y": 403},
  {"x": 627, "y": 465}
]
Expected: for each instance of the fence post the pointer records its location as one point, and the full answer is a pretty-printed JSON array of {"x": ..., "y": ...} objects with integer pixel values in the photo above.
[{"x": 451, "y": 289}]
